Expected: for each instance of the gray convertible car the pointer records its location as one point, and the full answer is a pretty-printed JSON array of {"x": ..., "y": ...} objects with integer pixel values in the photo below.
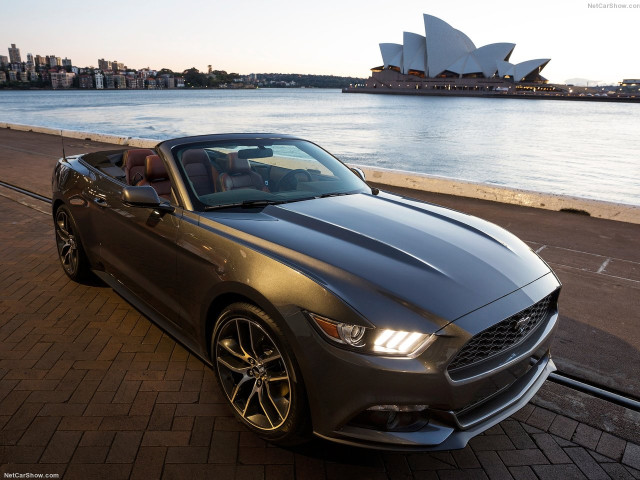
[{"x": 323, "y": 305}]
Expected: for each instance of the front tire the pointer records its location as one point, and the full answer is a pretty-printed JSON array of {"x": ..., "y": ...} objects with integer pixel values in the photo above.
[
  {"x": 70, "y": 251},
  {"x": 259, "y": 375}
]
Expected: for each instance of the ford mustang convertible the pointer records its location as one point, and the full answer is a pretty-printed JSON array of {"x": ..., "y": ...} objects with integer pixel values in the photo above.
[{"x": 324, "y": 306}]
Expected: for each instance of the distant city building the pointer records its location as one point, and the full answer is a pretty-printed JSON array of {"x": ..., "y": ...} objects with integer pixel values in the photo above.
[
  {"x": 166, "y": 81},
  {"x": 104, "y": 65},
  {"x": 3, "y": 77},
  {"x": 119, "y": 81},
  {"x": 30, "y": 65},
  {"x": 151, "y": 83},
  {"x": 66, "y": 62},
  {"x": 62, "y": 79},
  {"x": 85, "y": 81},
  {"x": 179, "y": 82},
  {"x": 12, "y": 76},
  {"x": 99, "y": 79},
  {"x": 51, "y": 61},
  {"x": 40, "y": 61},
  {"x": 14, "y": 54},
  {"x": 4, "y": 60}
]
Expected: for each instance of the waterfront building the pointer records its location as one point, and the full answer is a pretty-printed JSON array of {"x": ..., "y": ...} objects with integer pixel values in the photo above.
[
  {"x": 61, "y": 79},
  {"x": 445, "y": 58},
  {"x": 13, "y": 76},
  {"x": 179, "y": 82},
  {"x": 24, "y": 77},
  {"x": 151, "y": 83},
  {"x": 99, "y": 79},
  {"x": 14, "y": 54},
  {"x": 109, "y": 84},
  {"x": 3, "y": 77},
  {"x": 85, "y": 81},
  {"x": 119, "y": 81}
]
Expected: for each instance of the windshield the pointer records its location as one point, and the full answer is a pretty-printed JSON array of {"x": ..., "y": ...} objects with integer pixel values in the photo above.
[{"x": 258, "y": 172}]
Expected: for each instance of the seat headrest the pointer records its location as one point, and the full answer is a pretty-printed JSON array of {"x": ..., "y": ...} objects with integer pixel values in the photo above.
[
  {"x": 237, "y": 164},
  {"x": 155, "y": 169},
  {"x": 136, "y": 157},
  {"x": 195, "y": 155}
]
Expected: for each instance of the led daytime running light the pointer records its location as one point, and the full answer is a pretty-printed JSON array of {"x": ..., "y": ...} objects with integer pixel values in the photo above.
[{"x": 400, "y": 342}]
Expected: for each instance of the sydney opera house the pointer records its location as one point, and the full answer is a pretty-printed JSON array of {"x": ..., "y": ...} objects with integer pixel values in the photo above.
[{"x": 446, "y": 58}]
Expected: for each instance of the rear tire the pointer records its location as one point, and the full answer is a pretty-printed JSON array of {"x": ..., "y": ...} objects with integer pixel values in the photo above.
[
  {"x": 259, "y": 375},
  {"x": 70, "y": 251}
]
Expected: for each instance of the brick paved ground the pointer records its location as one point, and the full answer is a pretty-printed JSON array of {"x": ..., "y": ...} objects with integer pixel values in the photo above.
[{"x": 89, "y": 388}]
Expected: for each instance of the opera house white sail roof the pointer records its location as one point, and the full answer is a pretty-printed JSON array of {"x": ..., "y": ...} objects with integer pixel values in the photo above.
[{"x": 445, "y": 50}]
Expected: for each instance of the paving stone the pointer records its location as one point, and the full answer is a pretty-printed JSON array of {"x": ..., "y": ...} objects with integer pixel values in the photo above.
[
  {"x": 563, "y": 427},
  {"x": 586, "y": 463},
  {"x": 518, "y": 436},
  {"x": 464, "y": 474},
  {"x": 550, "y": 448},
  {"x": 493, "y": 466},
  {"x": 610, "y": 446},
  {"x": 541, "y": 418},
  {"x": 523, "y": 473},
  {"x": 587, "y": 436},
  {"x": 631, "y": 455},
  {"x": 124, "y": 447},
  {"x": 617, "y": 471},
  {"x": 558, "y": 472},
  {"x": 531, "y": 456},
  {"x": 491, "y": 442}
]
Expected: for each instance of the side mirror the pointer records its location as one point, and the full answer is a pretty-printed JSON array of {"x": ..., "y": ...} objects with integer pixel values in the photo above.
[
  {"x": 144, "y": 196},
  {"x": 359, "y": 172}
]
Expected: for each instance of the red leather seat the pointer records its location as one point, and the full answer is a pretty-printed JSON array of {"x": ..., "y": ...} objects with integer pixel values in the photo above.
[
  {"x": 133, "y": 164},
  {"x": 239, "y": 175},
  {"x": 201, "y": 173},
  {"x": 157, "y": 176}
]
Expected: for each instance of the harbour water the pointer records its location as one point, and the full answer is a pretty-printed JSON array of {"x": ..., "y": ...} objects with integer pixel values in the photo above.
[{"x": 583, "y": 149}]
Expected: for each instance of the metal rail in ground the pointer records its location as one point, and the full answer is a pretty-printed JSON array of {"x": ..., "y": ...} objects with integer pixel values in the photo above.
[
  {"x": 598, "y": 391},
  {"x": 24, "y": 191}
]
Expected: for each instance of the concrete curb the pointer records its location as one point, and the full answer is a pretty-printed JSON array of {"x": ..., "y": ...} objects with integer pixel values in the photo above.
[
  {"x": 95, "y": 137},
  {"x": 413, "y": 180},
  {"x": 462, "y": 188}
]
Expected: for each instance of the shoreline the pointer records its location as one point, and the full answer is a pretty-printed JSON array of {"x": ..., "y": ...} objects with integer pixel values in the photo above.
[
  {"x": 501, "y": 95},
  {"x": 413, "y": 180}
]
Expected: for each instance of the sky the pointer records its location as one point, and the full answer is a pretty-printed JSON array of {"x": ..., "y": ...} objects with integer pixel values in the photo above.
[{"x": 330, "y": 37}]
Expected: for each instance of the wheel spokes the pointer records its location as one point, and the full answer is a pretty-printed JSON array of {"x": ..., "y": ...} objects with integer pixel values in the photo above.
[{"x": 253, "y": 373}]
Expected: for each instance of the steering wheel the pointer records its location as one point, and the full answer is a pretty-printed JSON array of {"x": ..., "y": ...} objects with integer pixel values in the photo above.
[{"x": 292, "y": 174}]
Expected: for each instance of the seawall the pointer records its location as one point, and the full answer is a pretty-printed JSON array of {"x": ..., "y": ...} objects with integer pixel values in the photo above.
[{"x": 413, "y": 180}]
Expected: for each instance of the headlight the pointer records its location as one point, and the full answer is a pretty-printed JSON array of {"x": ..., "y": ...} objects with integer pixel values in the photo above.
[{"x": 371, "y": 340}]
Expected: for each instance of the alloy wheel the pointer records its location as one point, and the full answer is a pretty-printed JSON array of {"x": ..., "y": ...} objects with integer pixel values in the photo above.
[
  {"x": 253, "y": 373},
  {"x": 67, "y": 243}
]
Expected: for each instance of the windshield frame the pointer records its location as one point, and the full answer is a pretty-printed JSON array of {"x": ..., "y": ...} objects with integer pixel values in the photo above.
[{"x": 254, "y": 141}]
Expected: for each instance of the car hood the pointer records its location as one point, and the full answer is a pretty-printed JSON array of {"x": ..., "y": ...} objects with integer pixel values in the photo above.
[{"x": 428, "y": 258}]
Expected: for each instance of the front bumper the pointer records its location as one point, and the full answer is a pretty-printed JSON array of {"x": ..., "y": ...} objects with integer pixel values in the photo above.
[{"x": 341, "y": 384}]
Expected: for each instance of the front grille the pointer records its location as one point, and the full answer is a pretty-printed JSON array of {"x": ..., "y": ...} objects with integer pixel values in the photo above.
[{"x": 503, "y": 335}]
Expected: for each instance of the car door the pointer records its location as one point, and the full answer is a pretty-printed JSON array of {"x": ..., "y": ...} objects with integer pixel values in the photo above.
[{"x": 137, "y": 245}]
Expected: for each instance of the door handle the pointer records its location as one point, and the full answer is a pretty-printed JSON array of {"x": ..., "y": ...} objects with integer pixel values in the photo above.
[{"x": 101, "y": 202}]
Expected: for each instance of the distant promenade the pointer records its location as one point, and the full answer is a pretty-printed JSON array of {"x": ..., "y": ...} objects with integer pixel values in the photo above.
[{"x": 493, "y": 94}]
